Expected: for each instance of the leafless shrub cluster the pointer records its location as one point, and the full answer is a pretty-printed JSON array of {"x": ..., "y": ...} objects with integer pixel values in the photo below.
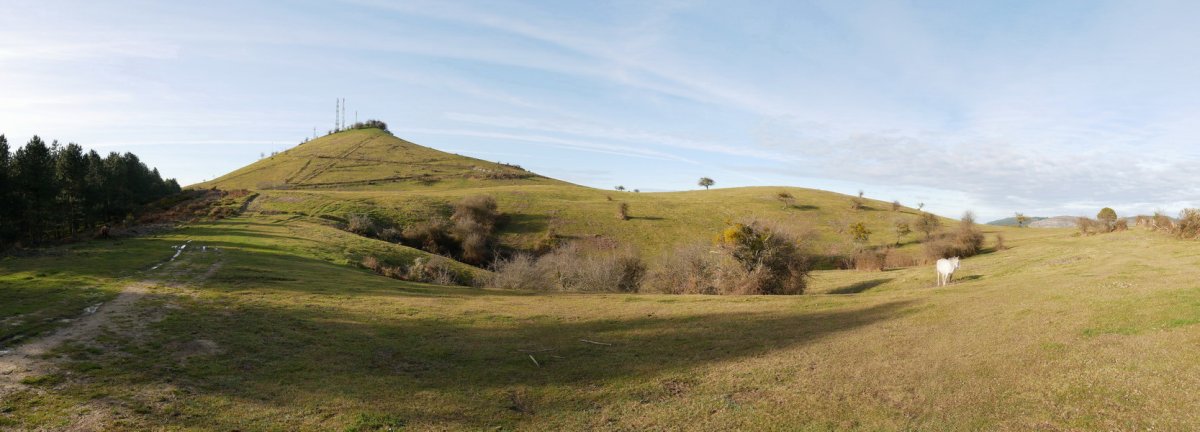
[
  {"x": 435, "y": 270},
  {"x": 746, "y": 258},
  {"x": 966, "y": 241},
  {"x": 581, "y": 266}
]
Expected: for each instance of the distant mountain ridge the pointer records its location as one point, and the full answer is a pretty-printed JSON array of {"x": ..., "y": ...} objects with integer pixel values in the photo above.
[
  {"x": 1012, "y": 221},
  {"x": 1055, "y": 222}
]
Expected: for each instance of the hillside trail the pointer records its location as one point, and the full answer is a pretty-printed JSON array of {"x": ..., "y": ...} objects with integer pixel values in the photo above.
[{"x": 33, "y": 358}]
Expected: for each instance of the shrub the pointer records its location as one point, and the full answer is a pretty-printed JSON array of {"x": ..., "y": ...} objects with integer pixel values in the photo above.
[
  {"x": 391, "y": 234},
  {"x": 927, "y": 223},
  {"x": 897, "y": 259},
  {"x": 581, "y": 266},
  {"x": 969, "y": 240},
  {"x": 870, "y": 260},
  {"x": 857, "y": 204},
  {"x": 371, "y": 263},
  {"x": 689, "y": 269},
  {"x": 370, "y": 124},
  {"x": 519, "y": 272},
  {"x": 431, "y": 236},
  {"x": 360, "y": 224},
  {"x": 1160, "y": 222},
  {"x": 623, "y": 211},
  {"x": 859, "y": 232},
  {"x": 1121, "y": 225},
  {"x": 1000, "y": 242},
  {"x": 1189, "y": 224},
  {"x": 966, "y": 242},
  {"x": 1087, "y": 226},
  {"x": 896, "y": 205},
  {"x": 475, "y": 219},
  {"x": 480, "y": 209},
  {"x": 771, "y": 259},
  {"x": 435, "y": 270}
]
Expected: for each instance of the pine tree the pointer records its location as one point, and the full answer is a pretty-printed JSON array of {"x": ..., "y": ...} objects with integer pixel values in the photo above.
[
  {"x": 7, "y": 216},
  {"x": 71, "y": 175},
  {"x": 35, "y": 187}
]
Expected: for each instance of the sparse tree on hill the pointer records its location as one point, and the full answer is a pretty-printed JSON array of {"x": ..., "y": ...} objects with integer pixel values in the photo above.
[
  {"x": 927, "y": 223},
  {"x": 706, "y": 182},
  {"x": 861, "y": 193},
  {"x": 902, "y": 230},
  {"x": 860, "y": 233},
  {"x": 620, "y": 188},
  {"x": 896, "y": 205},
  {"x": 921, "y": 206},
  {"x": 786, "y": 199}
]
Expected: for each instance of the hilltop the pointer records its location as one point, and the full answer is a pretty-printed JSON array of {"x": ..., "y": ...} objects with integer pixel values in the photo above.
[{"x": 374, "y": 158}]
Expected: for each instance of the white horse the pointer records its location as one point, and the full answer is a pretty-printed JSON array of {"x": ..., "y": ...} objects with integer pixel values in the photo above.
[{"x": 945, "y": 270}]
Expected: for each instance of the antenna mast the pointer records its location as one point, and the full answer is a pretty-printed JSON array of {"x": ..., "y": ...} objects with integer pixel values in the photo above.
[{"x": 337, "y": 108}]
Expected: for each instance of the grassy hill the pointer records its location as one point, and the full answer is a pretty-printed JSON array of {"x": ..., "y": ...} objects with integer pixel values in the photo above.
[
  {"x": 400, "y": 183},
  {"x": 369, "y": 157}
]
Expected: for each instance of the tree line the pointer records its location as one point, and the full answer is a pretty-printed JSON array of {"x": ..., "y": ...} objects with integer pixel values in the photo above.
[{"x": 54, "y": 192}]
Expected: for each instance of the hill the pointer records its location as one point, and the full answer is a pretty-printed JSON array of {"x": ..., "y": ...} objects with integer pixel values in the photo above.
[
  {"x": 1055, "y": 222},
  {"x": 399, "y": 183},
  {"x": 369, "y": 158},
  {"x": 1012, "y": 221}
]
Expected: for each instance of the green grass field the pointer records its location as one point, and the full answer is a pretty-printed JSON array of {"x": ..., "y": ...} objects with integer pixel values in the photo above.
[
  {"x": 1058, "y": 332},
  {"x": 266, "y": 323}
]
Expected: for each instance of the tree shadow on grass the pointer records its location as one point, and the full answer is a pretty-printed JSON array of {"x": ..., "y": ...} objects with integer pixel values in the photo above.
[{"x": 858, "y": 287}]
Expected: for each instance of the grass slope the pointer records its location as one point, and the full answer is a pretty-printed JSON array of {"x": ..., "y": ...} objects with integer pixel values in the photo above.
[
  {"x": 1058, "y": 332},
  {"x": 369, "y": 157},
  {"x": 371, "y": 171},
  {"x": 659, "y": 221}
]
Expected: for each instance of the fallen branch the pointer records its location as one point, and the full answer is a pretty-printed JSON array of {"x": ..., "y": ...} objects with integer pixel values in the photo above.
[
  {"x": 594, "y": 342},
  {"x": 535, "y": 363}
]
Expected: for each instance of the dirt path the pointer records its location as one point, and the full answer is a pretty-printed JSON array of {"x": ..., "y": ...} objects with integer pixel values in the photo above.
[{"x": 28, "y": 359}]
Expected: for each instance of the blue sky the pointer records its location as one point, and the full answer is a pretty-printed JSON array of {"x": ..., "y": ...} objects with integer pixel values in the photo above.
[{"x": 1042, "y": 107}]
